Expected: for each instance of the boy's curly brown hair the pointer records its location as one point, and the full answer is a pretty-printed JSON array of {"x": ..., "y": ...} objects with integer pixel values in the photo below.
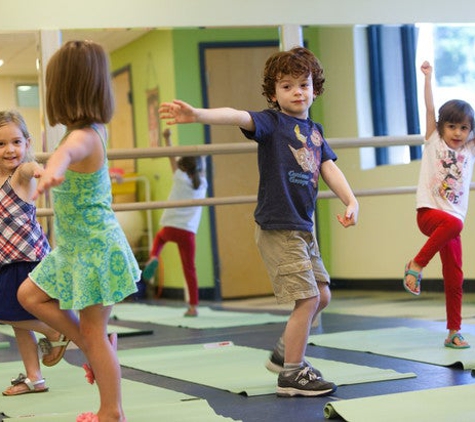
[{"x": 296, "y": 62}]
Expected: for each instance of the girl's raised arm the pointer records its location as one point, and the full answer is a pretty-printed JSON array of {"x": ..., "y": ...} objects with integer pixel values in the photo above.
[{"x": 431, "y": 123}]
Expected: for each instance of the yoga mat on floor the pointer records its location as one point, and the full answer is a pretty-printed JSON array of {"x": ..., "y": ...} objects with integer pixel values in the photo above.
[
  {"x": 434, "y": 405},
  {"x": 427, "y": 306},
  {"x": 207, "y": 318},
  {"x": 238, "y": 369},
  {"x": 196, "y": 410},
  {"x": 417, "y": 344},
  {"x": 112, "y": 328},
  {"x": 71, "y": 395}
]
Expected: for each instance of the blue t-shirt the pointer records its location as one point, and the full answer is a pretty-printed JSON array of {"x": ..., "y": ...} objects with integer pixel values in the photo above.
[{"x": 290, "y": 154}]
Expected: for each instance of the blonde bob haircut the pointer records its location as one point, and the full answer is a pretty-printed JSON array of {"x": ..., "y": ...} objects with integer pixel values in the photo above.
[{"x": 78, "y": 85}]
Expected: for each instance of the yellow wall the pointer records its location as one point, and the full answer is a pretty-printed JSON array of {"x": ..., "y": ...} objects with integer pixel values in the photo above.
[{"x": 386, "y": 236}]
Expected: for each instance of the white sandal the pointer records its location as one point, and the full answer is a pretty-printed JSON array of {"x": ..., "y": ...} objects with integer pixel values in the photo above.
[{"x": 22, "y": 379}]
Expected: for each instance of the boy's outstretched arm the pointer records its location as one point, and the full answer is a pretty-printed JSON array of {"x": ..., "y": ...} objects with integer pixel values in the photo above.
[
  {"x": 336, "y": 181},
  {"x": 180, "y": 112},
  {"x": 431, "y": 123}
]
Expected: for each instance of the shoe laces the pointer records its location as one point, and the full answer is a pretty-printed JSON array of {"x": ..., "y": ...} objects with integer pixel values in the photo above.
[{"x": 307, "y": 372}]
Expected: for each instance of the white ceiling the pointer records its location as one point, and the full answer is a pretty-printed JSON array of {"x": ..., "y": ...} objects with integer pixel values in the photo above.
[{"x": 18, "y": 50}]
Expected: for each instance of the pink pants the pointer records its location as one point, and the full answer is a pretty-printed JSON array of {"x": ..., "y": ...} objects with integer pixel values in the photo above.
[
  {"x": 443, "y": 231},
  {"x": 187, "y": 248}
]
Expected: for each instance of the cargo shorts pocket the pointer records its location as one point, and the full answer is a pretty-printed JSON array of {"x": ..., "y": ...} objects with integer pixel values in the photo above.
[{"x": 293, "y": 279}]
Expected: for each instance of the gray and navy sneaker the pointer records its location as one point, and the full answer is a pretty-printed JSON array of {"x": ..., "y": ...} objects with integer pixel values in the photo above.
[
  {"x": 275, "y": 364},
  {"x": 303, "y": 382}
]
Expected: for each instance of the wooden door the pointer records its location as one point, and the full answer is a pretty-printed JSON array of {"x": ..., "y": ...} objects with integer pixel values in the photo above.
[
  {"x": 234, "y": 79},
  {"x": 121, "y": 135},
  {"x": 121, "y": 127}
]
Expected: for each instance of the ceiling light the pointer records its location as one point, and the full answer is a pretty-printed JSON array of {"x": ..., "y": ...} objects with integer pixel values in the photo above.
[{"x": 1, "y": 62}]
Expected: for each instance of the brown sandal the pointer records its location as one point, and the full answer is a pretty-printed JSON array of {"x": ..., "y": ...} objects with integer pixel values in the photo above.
[{"x": 46, "y": 346}]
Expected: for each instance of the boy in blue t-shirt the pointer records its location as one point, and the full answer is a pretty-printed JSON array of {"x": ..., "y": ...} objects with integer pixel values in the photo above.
[{"x": 292, "y": 154}]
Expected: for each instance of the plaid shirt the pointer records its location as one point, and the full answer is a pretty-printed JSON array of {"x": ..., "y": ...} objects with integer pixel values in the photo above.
[{"x": 21, "y": 236}]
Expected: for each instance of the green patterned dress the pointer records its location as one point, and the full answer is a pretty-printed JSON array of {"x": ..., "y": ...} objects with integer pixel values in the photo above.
[{"x": 92, "y": 262}]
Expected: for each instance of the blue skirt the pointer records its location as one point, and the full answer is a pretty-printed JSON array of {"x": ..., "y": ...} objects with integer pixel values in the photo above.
[{"x": 11, "y": 277}]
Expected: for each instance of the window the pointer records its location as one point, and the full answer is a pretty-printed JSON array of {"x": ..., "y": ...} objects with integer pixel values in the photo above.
[
  {"x": 449, "y": 48},
  {"x": 386, "y": 90},
  {"x": 389, "y": 84},
  {"x": 27, "y": 95}
]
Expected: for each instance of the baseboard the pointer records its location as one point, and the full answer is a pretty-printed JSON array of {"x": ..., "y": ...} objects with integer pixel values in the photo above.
[
  {"x": 206, "y": 293},
  {"x": 429, "y": 285}
]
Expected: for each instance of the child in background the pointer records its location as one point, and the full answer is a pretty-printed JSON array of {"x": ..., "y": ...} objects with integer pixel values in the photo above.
[
  {"x": 92, "y": 267},
  {"x": 442, "y": 201},
  {"x": 179, "y": 225},
  {"x": 23, "y": 245},
  {"x": 292, "y": 154}
]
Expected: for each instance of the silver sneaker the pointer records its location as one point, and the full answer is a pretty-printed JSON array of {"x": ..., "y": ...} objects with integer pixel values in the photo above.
[
  {"x": 303, "y": 382},
  {"x": 275, "y": 364}
]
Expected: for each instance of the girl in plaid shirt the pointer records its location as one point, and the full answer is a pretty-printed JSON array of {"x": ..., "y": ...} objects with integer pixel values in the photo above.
[{"x": 22, "y": 246}]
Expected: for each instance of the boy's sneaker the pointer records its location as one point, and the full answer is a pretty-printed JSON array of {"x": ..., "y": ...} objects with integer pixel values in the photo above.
[
  {"x": 303, "y": 382},
  {"x": 275, "y": 364},
  {"x": 150, "y": 268}
]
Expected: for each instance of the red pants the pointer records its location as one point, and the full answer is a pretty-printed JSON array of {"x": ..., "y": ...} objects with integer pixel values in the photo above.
[
  {"x": 444, "y": 230},
  {"x": 187, "y": 248}
]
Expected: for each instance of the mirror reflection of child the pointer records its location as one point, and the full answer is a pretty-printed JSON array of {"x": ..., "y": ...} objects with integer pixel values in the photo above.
[{"x": 179, "y": 225}]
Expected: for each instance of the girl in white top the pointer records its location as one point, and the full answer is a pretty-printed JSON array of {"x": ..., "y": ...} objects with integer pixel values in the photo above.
[
  {"x": 442, "y": 201},
  {"x": 179, "y": 225}
]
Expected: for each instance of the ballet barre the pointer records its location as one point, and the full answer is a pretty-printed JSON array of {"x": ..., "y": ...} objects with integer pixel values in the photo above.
[{"x": 243, "y": 148}]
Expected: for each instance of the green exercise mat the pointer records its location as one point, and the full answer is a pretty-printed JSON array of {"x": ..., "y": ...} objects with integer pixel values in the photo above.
[
  {"x": 207, "y": 318},
  {"x": 244, "y": 367},
  {"x": 446, "y": 404},
  {"x": 69, "y": 395},
  {"x": 112, "y": 328},
  {"x": 417, "y": 344},
  {"x": 428, "y": 306},
  {"x": 196, "y": 410}
]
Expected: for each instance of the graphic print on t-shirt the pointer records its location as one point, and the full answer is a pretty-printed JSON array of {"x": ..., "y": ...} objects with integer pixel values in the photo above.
[
  {"x": 449, "y": 175},
  {"x": 308, "y": 157}
]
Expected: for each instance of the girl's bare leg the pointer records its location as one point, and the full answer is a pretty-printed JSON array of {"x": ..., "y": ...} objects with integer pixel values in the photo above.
[
  {"x": 38, "y": 303},
  {"x": 90, "y": 335},
  {"x": 102, "y": 357},
  {"x": 50, "y": 333},
  {"x": 26, "y": 341}
]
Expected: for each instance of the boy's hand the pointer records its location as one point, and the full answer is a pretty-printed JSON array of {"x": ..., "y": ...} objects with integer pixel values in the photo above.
[
  {"x": 177, "y": 112},
  {"x": 350, "y": 218}
]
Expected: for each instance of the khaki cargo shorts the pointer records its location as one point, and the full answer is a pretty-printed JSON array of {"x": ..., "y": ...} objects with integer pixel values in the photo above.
[{"x": 293, "y": 262}]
